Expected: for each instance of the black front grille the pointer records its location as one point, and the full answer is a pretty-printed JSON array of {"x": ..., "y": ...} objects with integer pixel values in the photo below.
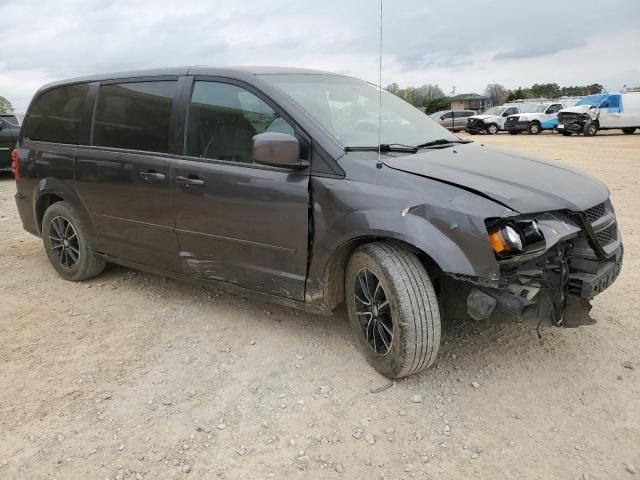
[
  {"x": 568, "y": 118},
  {"x": 608, "y": 235},
  {"x": 475, "y": 122},
  {"x": 594, "y": 213}
]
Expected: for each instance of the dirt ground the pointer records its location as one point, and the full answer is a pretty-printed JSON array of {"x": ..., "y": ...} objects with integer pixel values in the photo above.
[{"x": 131, "y": 375}]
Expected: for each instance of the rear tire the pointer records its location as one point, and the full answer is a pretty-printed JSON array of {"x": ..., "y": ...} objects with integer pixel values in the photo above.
[
  {"x": 629, "y": 131},
  {"x": 492, "y": 129},
  {"x": 397, "y": 323},
  {"x": 534, "y": 128},
  {"x": 68, "y": 245},
  {"x": 590, "y": 129}
]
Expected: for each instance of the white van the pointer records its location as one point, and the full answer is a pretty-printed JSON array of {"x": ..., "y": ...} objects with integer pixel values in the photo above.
[{"x": 604, "y": 111}]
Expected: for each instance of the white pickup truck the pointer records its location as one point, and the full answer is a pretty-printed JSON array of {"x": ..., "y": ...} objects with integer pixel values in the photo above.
[
  {"x": 538, "y": 117},
  {"x": 491, "y": 121}
]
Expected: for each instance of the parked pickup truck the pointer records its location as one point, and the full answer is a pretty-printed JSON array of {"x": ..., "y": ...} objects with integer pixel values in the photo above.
[
  {"x": 543, "y": 116},
  {"x": 491, "y": 121},
  {"x": 604, "y": 111}
]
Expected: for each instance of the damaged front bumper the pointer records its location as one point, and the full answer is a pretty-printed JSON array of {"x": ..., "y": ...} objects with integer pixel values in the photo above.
[{"x": 583, "y": 257}]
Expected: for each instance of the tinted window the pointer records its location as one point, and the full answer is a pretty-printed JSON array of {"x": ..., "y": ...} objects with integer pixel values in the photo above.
[
  {"x": 55, "y": 115},
  {"x": 554, "y": 109},
  {"x": 11, "y": 120},
  {"x": 134, "y": 116},
  {"x": 446, "y": 115},
  {"x": 510, "y": 111},
  {"x": 462, "y": 114},
  {"x": 223, "y": 119}
]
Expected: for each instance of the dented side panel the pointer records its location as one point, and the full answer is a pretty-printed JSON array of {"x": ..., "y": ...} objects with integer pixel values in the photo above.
[{"x": 444, "y": 222}]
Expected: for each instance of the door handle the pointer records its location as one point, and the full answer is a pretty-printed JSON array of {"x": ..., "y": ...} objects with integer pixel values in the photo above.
[
  {"x": 152, "y": 176},
  {"x": 189, "y": 181}
]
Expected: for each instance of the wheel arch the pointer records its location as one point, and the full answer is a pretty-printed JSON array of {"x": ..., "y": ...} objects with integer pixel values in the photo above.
[
  {"x": 329, "y": 290},
  {"x": 51, "y": 190}
]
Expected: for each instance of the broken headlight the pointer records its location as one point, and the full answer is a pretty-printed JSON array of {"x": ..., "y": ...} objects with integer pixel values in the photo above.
[{"x": 514, "y": 237}]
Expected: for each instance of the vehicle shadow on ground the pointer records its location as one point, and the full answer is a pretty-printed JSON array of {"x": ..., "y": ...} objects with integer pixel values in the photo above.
[{"x": 466, "y": 345}]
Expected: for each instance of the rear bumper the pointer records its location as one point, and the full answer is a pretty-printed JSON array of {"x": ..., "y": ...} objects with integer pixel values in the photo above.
[{"x": 25, "y": 210}]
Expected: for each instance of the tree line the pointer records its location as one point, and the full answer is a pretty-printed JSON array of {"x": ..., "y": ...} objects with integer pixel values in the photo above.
[
  {"x": 5, "y": 106},
  {"x": 433, "y": 99}
]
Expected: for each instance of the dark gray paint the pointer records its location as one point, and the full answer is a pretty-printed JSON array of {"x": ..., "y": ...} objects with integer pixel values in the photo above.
[{"x": 284, "y": 233}]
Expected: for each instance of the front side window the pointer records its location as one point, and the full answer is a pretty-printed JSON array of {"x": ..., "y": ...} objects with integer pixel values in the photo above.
[
  {"x": 349, "y": 110},
  {"x": 134, "y": 116},
  {"x": 554, "y": 109},
  {"x": 510, "y": 111},
  {"x": 55, "y": 116},
  {"x": 223, "y": 119}
]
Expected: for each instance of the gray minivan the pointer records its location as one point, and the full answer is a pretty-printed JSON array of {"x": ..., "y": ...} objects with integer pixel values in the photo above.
[{"x": 284, "y": 184}]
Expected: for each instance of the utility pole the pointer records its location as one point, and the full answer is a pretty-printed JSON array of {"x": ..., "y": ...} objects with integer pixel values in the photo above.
[{"x": 453, "y": 119}]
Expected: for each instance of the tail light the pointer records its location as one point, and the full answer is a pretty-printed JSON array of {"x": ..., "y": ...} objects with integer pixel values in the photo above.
[{"x": 15, "y": 163}]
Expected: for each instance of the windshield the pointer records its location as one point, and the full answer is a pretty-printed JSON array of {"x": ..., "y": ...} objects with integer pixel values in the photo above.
[
  {"x": 593, "y": 100},
  {"x": 494, "y": 111},
  {"x": 347, "y": 108}
]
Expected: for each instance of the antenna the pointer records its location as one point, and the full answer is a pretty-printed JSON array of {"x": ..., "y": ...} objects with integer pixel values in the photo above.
[{"x": 379, "y": 164}]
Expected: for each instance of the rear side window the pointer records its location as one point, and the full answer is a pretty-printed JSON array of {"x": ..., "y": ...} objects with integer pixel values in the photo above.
[
  {"x": 55, "y": 116},
  {"x": 134, "y": 116},
  {"x": 12, "y": 120}
]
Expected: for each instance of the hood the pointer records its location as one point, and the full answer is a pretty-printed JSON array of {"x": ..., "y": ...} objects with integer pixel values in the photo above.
[
  {"x": 578, "y": 109},
  {"x": 524, "y": 184}
]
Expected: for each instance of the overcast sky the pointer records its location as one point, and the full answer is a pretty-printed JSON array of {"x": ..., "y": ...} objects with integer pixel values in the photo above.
[{"x": 465, "y": 43}]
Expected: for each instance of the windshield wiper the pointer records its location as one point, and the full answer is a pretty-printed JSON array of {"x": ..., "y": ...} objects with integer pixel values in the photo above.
[
  {"x": 440, "y": 141},
  {"x": 384, "y": 147}
]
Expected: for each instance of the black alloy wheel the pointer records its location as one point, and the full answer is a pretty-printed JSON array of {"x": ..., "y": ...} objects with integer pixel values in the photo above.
[
  {"x": 373, "y": 311},
  {"x": 64, "y": 242}
]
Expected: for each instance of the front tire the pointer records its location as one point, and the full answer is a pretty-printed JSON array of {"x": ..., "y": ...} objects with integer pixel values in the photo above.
[
  {"x": 590, "y": 129},
  {"x": 393, "y": 309},
  {"x": 492, "y": 129},
  {"x": 565, "y": 133},
  {"x": 534, "y": 128},
  {"x": 68, "y": 245}
]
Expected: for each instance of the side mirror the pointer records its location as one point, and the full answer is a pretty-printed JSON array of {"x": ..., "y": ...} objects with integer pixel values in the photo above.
[{"x": 276, "y": 149}]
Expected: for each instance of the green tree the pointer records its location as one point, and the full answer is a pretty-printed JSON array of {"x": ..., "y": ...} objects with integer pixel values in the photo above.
[
  {"x": 437, "y": 104},
  {"x": 5, "y": 105}
]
